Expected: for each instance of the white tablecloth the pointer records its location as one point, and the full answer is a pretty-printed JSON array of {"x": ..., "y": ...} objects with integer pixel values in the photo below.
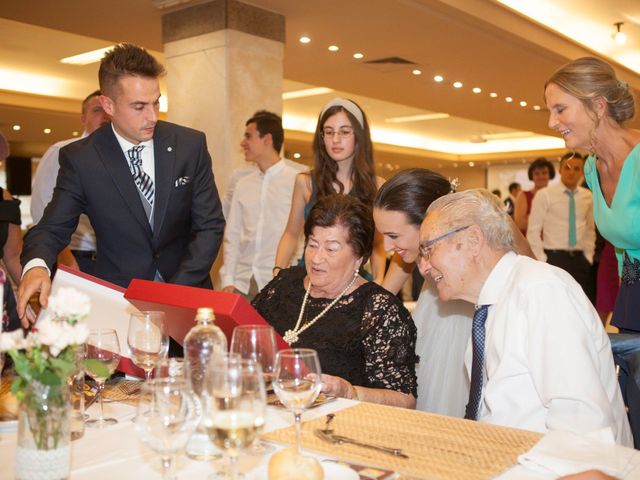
[{"x": 116, "y": 452}]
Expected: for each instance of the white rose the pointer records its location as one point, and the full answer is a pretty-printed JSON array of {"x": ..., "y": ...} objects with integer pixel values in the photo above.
[
  {"x": 12, "y": 340},
  {"x": 48, "y": 331},
  {"x": 68, "y": 302}
]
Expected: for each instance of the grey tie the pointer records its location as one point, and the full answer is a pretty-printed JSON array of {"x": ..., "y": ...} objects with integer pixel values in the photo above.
[
  {"x": 477, "y": 364},
  {"x": 140, "y": 177}
]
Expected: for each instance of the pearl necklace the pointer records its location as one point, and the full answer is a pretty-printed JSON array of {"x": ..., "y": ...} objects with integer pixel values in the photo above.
[{"x": 291, "y": 336}]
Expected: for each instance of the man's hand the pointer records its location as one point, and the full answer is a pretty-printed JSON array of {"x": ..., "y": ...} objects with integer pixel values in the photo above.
[
  {"x": 229, "y": 289},
  {"x": 33, "y": 281}
]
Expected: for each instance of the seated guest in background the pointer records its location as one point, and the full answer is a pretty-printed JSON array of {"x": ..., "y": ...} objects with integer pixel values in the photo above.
[
  {"x": 510, "y": 201},
  {"x": 364, "y": 336},
  {"x": 561, "y": 229},
  {"x": 540, "y": 359},
  {"x": 540, "y": 172}
]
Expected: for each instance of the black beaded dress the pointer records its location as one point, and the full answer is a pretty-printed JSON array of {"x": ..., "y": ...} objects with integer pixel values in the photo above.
[{"x": 368, "y": 337}]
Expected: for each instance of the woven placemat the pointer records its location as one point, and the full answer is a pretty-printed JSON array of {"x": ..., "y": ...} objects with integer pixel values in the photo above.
[
  {"x": 125, "y": 391},
  {"x": 438, "y": 447}
]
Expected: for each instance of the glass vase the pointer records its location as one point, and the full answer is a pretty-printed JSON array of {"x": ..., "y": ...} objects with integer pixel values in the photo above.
[{"x": 43, "y": 451}]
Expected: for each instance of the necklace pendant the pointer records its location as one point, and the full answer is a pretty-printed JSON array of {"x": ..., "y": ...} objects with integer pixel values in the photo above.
[{"x": 290, "y": 337}]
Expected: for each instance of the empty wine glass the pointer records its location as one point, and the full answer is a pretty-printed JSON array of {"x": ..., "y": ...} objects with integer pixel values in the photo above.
[
  {"x": 103, "y": 346},
  {"x": 257, "y": 343},
  {"x": 296, "y": 382},
  {"x": 235, "y": 408},
  {"x": 166, "y": 418},
  {"x": 147, "y": 339}
]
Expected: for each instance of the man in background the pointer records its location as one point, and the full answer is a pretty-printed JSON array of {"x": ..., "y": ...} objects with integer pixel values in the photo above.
[
  {"x": 80, "y": 254},
  {"x": 561, "y": 226},
  {"x": 510, "y": 201},
  {"x": 259, "y": 208}
]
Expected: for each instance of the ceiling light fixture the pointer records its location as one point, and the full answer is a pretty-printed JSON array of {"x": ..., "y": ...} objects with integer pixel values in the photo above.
[
  {"x": 417, "y": 118},
  {"x": 476, "y": 90},
  {"x": 87, "y": 57},
  {"x": 296, "y": 155},
  {"x": 619, "y": 37},
  {"x": 523, "y": 103},
  {"x": 471, "y": 164},
  {"x": 307, "y": 92},
  {"x": 75, "y": 133},
  {"x": 493, "y": 95},
  {"x": 16, "y": 128},
  {"x": 305, "y": 40},
  {"x": 508, "y": 99},
  {"x": 416, "y": 72},
  {"x": 438, "y": 78},
  {"x": 536, "y": 107},
  {"x": 47, "y": 131},
  {"x": 457, "y": 84},
  {"x": 333, "y": 48},
  {"x": 358, "y": 55}
]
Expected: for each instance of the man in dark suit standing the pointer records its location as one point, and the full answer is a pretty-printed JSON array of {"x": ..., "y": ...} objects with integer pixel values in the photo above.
[{"x": 146, "y": 185}]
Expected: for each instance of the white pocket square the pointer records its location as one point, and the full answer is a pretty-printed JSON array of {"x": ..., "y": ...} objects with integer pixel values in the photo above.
[{"x": 182, "y": 181}]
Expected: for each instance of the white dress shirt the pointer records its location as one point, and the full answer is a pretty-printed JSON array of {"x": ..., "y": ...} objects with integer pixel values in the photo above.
[
  {"x": 548, "y": 360},
  {"x": 549, "y": 221},
  {"x": 257, "y": 218},
  {"x": 84, "y": 238}
]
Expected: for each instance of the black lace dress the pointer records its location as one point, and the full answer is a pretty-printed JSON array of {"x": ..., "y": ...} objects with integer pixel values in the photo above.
[{"x": 367, "y": 338}]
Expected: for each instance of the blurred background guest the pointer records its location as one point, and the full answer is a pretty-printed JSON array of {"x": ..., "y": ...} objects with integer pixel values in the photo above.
[
  {"x": 540, "y": 172},
  {"x": 343, "y": 163},
  {"x": 510, "y": 201},
  {"x": 364, "y": 336},
  {"x": 589, "y": 106}
]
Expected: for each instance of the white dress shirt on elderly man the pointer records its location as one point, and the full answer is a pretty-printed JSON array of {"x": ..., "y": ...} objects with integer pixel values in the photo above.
[
  {"x": 548, "y": 360},
  {"x": 257, "y": 217}
]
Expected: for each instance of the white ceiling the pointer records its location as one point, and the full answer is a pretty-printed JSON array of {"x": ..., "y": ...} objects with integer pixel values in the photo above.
[{"x": 478, "y": 42}]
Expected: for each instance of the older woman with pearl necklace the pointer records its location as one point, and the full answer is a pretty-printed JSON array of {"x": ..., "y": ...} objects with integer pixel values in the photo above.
[{"x": 364, "y": 336}]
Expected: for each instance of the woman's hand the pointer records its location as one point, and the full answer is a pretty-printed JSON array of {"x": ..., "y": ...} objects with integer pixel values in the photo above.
[{"x": 337, "y": 387}]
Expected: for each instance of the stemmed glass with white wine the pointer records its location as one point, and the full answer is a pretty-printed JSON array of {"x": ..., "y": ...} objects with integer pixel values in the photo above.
[
  {"x": 297, "y": 382},
  {"x": 235, "y": 406},
  {"x": 166, "y": 418},
  {"x": 102, "y": 346},
  {"x": 147, "y": 339}
]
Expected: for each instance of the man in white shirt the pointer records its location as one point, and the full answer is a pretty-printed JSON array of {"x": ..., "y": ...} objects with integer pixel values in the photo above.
[
  {"x": 259, "y": 208},
  {"x": 561, "y": 227},
  {"x": 81, "y": 252},
  {"x": 539, "y": 358}
]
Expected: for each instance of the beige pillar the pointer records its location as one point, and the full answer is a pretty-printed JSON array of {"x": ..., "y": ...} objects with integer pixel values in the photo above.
[{"x": 224, "y": 62}]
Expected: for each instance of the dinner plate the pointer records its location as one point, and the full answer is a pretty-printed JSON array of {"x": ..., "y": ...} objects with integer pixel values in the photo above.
[
  {"x": 8, "y": 426},
  {"x": 332, "y": 471}
]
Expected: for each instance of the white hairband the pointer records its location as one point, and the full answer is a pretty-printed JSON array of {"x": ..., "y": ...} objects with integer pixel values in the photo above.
[{"x": 348, "y": 105}]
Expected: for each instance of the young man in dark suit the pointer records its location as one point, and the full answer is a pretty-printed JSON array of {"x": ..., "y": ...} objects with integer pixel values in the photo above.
[{"x": 146, "y": 185}]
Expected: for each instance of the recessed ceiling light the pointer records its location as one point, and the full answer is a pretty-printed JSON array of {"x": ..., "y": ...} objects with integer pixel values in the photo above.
[
  {"x": 296, "y": 155},
  {"x": 471, "y": 164},
  {"x": 476, "y": 90},
  {"x": 333, "y": 48},
  {"x": 523, "y": 103},
  {"x": 87, "y": 57},
  {"x": 47, "y": 131},
  {"x": 417, "y": 72},
  {"x": 508, "y": 99},
  {"x": 16, "y": 128},
  {"x": 493, "y": 94},
  {"x": 536, "y": 107},
  {"x": 75, "y": 133},
  {"x": 438, "y": 78},
  {"x": 358, "y": 55},
  {"x": 305, "y": 40},
  {"x": 457, "y": 84}
]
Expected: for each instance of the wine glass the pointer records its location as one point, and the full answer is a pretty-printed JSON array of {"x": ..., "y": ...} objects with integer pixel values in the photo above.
[
  {"x": 147, "y": 339},
  {"x": 166, "y": 418},
  {"x": 257, "y": 343},
  {"x": 103, "y": 346},
  {"x": 297, "y": 382},
  {"x": 235, "y": 406}
]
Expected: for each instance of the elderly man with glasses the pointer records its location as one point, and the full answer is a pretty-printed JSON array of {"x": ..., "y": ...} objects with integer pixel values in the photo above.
[{"x": 539, "y": 358}]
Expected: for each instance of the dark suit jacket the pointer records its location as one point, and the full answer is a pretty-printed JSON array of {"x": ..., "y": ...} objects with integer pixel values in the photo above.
[{"x": 95, "y": 179}]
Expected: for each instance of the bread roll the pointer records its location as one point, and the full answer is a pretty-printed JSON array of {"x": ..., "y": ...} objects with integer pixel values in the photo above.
[{"x": 288, "y": 465}]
